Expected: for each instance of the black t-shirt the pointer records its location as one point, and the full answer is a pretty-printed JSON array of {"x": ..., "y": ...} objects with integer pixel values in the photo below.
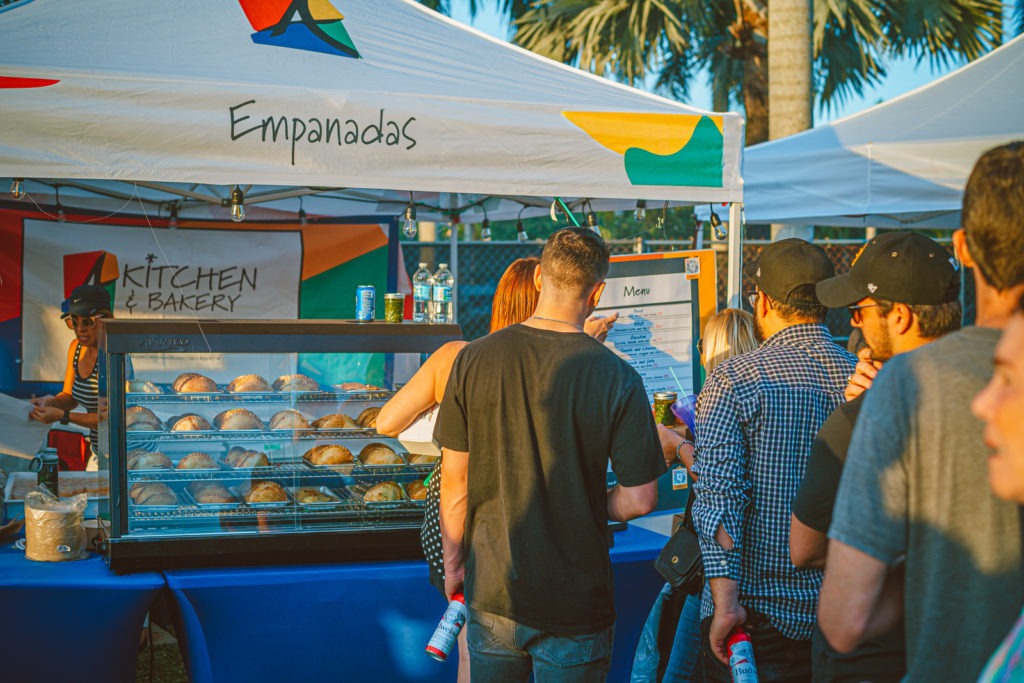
[
  {"x": 817, "y": 493},
  {"x": 541, "y": 413},
  {"x": 879, "y": 660}
]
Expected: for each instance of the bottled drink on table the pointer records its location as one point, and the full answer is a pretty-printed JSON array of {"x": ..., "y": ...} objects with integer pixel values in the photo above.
[
  {"x": 741, "y": 657},
  {"x": 422, "y": 284},
  {"x": 47, "y": 464},
  {"x": 447, "y": 631},
  {"x": 444, "y": 283}
]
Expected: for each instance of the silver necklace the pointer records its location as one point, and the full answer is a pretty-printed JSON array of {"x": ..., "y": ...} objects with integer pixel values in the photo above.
[{"x": 556, "y": 320}]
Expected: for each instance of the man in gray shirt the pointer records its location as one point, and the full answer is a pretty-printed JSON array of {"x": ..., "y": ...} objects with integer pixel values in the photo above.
[{"x": 914, "y": 498}]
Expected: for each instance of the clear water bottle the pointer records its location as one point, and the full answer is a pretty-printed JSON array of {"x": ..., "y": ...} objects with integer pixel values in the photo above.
[
  {"x": 422, "y": 283},
  {"x": 444, "y": 283}
]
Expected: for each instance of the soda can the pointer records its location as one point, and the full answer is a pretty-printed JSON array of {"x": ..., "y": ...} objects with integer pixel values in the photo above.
[
  {"x": 366, "y": 303},
  {"x": 447, "y": 631}
]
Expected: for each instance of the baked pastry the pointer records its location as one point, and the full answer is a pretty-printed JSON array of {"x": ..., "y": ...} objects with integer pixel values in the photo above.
[
  {"x": 191, "y": 422},
  {"x": 142, "y": 386},
  {"x": 151, "y": 493},
  {"x": 357, "y": 386},
  {"x": 328, "y": 454},
  {"x": 265, "y": 492},
  {"x": 379, "y": 454},
  {"x": 416, "y": 490},
  {"x": 244, "y": 383},
  {"x": 193, "y": 382},
  {"x": 335, "y": 421},
  {"x": 210, "y": 492},
  {"x": 307, "y": 496},
  {"x": 289, "y": 419},
  {"x": 423, "y": 459},
  {"x": 237, "y": 418},
  {"x": 240, "y": 458},
  {"x": 295, "y": 383},
  {"x": 197, "y": 461},
  {"x": 368, "y": 418},
  {"x": 384, "y": 492},
  {"x": 145, "y": 460},
  {"x": 141, "y": 418}
]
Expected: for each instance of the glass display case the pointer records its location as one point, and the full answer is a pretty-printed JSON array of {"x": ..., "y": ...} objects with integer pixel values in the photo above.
[{"x": 254, "y": 442}]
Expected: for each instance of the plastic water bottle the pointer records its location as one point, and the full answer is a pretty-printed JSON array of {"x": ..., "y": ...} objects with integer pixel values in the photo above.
[
  {"x": 447, "y": 631},
  {"x": 444, "y": 282},
  {"x": 741, "y": 657},
  {"x": 422, "y": 283}
]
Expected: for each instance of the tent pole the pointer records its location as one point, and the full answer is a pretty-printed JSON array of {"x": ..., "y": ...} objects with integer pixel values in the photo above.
[{"x": 734, "y": 256}]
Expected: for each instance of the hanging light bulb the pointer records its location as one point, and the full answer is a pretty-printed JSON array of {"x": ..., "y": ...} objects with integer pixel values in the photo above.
[
  {"x": 410, "y": 226},
  {"x": 592, "y": 222},
  {"x": 60, "y": 213},
  {"x": 17, "y": 187},
  {"x": 716, "y": 225},
  {"x": 172, "y": 222},
  {"x": 521, "y": 232},
  {"x": 302, "y": 213},
  {"x": 640, "y": 213},
  {"x": 485, "y": 230},
  {"x": 237, "y": 205}
]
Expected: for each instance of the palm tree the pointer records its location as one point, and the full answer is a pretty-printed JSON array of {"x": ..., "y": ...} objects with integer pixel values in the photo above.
[{"x": 677, "y": 39}]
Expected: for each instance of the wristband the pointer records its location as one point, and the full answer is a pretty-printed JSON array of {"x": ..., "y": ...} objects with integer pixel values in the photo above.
[
  {"x": 680, "y": 445},
  {"x": 67, "y": 417}
]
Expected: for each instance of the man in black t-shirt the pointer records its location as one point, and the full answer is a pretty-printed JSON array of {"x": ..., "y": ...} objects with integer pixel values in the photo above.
[
  {"x": 530, "y": 419},
  {"x": 902, "y": 292}
]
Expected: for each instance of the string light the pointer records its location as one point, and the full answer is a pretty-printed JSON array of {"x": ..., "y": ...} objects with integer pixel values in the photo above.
[
  {"x": 640, "y": 213},
  {"x": 592, "y": 219},
  {"x": 485, "y": 226},
  {"x": 716, "y": 225},
  {"x": 172, "y": 222},
  {"x": 410, "y": 226},
  {"x": 302, "y": 213},
  {"x": 520, "y": 230},
  {"x": 60, "y": 207},
  {"x": 17, "y": 188},
  {"x": 237, "y": 205}
]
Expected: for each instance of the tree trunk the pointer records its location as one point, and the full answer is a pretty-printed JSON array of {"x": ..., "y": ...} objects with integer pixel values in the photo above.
[{"x": 789, "y": 82}]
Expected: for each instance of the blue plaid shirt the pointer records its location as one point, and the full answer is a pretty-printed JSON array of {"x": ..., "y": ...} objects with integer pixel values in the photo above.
[{"x": 756, "y": 419}]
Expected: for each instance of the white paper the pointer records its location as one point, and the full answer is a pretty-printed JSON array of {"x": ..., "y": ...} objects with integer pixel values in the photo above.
[
  {"x": 419, "y": 436},
  {"x": 19, "y": 436}
]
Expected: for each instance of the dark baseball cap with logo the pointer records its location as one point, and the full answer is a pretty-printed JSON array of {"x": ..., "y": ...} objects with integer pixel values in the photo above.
[
  {"x": 86, "y": 300},
  {"x": 905, "y": 267},
  {"x": 787, "y": 265}
]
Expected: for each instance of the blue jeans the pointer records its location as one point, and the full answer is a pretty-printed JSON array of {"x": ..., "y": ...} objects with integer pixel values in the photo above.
[
  {"x": 501, "y": 649},
  {"x": 682, "y": 663}
]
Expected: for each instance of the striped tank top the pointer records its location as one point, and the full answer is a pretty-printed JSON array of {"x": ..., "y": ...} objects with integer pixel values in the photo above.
[{"x": 87, "y": 392}]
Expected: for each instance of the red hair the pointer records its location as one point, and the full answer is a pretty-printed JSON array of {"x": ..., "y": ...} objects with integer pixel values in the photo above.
[{"x": 515, "y": 299}]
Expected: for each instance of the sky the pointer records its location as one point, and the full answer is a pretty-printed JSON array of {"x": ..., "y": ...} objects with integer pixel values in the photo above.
[{"x": 904, "y": 75}]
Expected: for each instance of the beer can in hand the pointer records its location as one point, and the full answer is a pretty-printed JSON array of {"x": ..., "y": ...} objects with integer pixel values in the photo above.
[
  {"x": 741, "y": 657},
  {"x": 447, "y": 632}
]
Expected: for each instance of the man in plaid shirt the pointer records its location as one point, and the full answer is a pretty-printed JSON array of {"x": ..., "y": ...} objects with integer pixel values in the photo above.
[{"x": 756, "y": 420}]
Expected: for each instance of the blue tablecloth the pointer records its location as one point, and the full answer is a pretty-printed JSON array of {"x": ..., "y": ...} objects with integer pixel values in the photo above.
[
  {"x": 70, "y": 621},
  {"x": 356, "y": 622}
]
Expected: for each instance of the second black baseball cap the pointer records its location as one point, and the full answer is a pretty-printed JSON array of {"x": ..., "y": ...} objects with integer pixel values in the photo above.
[
  {"x": 906, "y": 267},
  {"x": 789, "y": 264}
]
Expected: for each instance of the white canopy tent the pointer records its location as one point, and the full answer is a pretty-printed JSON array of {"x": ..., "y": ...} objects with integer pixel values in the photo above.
[{"x": 901, "y": 164}]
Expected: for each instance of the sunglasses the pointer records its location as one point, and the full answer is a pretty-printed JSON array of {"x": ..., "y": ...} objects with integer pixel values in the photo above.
[
  {"x": 82, "y": 322},
  {"x": 855, "y": 311},
  {"x": 752, "y": 298}
]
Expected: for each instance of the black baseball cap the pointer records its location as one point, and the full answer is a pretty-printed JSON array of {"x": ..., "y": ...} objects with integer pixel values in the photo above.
[
  {"x": 788, "y": 264},
  {"x": 906, "y": 267},
  {"x": 86, "y": 300}
]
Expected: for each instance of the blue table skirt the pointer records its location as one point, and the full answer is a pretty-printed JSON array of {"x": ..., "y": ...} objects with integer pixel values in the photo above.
[
  {"x": 70, "y": 621},
  {"x": 356, "y": 622}
]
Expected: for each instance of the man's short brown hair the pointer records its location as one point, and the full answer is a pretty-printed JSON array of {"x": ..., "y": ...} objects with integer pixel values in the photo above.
[
  {"x": 575, "y": 259},
  {"x": 993, "y": 215}
]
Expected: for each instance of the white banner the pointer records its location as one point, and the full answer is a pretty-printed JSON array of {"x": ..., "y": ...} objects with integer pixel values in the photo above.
[{"x": 188, "y": 274}]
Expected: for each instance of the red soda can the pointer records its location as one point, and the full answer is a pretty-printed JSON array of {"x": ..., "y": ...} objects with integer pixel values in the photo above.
[
  {"x": 447, "y": 631},
  {"x": 741, "y": 657}
]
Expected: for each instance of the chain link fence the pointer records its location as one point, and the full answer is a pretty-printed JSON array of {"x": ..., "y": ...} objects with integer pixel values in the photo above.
[{"x": 481, "y": 265}]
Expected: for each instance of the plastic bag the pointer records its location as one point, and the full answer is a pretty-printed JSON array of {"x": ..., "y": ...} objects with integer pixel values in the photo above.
[{"x": 53, "y": 527}]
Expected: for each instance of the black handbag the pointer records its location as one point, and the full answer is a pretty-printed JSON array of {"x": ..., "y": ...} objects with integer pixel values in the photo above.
[{"x": 680, "y": 562}]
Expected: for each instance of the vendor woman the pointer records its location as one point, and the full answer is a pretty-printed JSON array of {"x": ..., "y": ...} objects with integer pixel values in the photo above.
[{"x": 81, "y": 312}]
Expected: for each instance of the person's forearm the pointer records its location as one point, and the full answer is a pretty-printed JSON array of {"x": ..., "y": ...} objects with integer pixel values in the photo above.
[
  {"x": 888, "y": 611},
  {"x": 86, "y": 420},
  {"x": 726, "y": 594},
  {"x": 454, "y": 494},
  {"x": 629, "y": 502},
  {"x": 64, "y": 402}
]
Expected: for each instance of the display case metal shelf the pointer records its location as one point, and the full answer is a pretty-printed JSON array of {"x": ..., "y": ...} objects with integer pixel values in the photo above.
[{"x": 187, "y": 533}]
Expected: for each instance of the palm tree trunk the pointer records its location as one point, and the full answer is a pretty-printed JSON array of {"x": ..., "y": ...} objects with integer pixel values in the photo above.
[{"x": 789, "y": 67}]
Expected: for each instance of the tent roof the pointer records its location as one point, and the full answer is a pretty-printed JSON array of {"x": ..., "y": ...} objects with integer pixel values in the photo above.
[
  {"x": 392, "y": 96},
  {"x": 900, "y": 164}
]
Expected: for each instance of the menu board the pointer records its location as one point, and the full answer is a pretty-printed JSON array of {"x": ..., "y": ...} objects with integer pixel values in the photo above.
[{"x": 659, "y": 320}]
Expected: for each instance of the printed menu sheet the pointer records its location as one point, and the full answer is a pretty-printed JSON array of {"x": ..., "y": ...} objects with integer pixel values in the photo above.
[{"x": 658, "y": 323}]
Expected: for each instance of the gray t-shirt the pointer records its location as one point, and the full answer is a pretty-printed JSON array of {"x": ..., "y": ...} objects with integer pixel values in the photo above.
[{"x": 916, "y": 484}]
